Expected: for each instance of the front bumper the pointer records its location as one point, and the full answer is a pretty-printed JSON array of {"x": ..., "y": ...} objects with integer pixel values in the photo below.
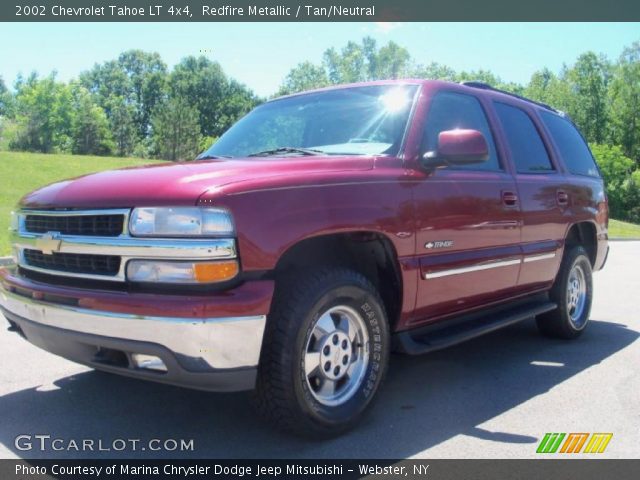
[{"x": 199, "y": 349}]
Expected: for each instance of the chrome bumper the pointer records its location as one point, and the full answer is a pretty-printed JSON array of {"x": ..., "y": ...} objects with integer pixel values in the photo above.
[{"x": 198, "y": 345}]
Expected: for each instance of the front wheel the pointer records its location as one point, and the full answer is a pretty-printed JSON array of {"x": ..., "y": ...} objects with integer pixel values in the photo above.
[
  {"x": 325, "y": 352},
  {"x": 573, "y": 292}
]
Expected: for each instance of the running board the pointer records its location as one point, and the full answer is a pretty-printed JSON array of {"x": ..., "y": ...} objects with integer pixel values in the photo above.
[{"x": 450, "y": 332}]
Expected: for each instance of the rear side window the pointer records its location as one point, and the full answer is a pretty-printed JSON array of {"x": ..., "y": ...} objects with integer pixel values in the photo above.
[
  {"x": 573, "y": 149},
  {"x": 450, "y": 111},
  {"x": 527, "y": 149}
]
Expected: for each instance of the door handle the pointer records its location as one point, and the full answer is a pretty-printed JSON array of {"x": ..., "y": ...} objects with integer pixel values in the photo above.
[
  {"x": 510, "y": 199},
  {"x": 562, "y": 197}
]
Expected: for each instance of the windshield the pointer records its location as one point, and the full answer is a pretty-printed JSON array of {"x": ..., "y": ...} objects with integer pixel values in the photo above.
[{"x": 348, "y": 121}]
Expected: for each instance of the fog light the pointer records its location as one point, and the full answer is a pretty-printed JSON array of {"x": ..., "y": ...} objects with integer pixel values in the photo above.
[
  {"x": 148, "y": 362},
  {"x": 181, "y": 272}
]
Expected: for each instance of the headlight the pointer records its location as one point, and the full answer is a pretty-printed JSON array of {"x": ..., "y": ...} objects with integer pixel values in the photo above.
[
  {"x": 158, "y": 271},
  {"x": 180, "y": 222}
]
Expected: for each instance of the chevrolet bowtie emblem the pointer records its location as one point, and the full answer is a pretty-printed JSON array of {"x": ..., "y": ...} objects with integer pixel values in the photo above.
[{"x": 49, "y": 243}]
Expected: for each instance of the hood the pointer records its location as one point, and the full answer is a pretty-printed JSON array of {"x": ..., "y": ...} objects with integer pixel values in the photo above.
[{"x": 182, "y": 183}]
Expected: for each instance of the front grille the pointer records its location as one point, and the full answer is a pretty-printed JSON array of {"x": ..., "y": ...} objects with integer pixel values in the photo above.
[
  {"x": 89, "y": 225},
  {"x": 73, "y": 262}
]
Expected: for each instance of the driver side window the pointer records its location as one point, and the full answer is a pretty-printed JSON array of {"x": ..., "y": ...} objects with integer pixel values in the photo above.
[{"x": 450, "y": 111}]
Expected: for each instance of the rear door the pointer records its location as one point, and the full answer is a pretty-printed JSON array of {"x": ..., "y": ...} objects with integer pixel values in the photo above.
[
  {"x": 468, "y": 219},
  {"x": 542, "y": 192},
  {"x": 585, "y": 195}
]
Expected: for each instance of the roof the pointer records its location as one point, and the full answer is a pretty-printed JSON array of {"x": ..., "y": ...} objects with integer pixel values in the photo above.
[{"x": 422, "y": 81}]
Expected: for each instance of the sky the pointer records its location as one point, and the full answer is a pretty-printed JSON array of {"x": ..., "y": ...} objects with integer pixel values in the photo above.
[{"x": 260, "y": 54}]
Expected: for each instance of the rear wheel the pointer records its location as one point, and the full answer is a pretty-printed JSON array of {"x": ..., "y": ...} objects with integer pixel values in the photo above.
[
  {"x": 325, "y": 353},
  {"x": 573, "y": 292}
]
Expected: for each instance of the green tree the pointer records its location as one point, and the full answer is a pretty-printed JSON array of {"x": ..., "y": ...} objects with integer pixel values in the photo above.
[
  {"x": 219, "y": 100},
  {"x": 363, "y": 61},
  {"x": 237, "y": 101},
  {"x": 588, "y": 79},
  {"x": 435, "y": 71},
  {"x": 44, "y": 112},
  {"x": 138, "y": 78},
  {"x": 304, "y": 76},
  {"x": 123, "y": 126},
  {"x": 617, "y": 171},
  {"x": 491, "y": 79},
  {"x": 391, "y": 61},
  {"x": 624, "y": 102},
  {"x": 108, "y": 81},
  {"x": 90, "y": 134},
  {"x": 512, "y": 87},
  {"x": 484, "y": 76},
  {"x": 148, "y": 75},
  {"x": 357, "y": 62},
  {"x": 4, "y": 98},
  {"x": 347, "y": 66},
  {"x": 554, "y": 90},
  {"x": 176, "y": 133},
  {"x": 7, "y": 122}
]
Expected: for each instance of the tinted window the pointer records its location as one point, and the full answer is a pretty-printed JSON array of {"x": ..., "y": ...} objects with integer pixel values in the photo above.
[
  {"x": 454, "y": 110},
  {"x": 573, "y": 149},
  {"x": 527, "y": 149}
]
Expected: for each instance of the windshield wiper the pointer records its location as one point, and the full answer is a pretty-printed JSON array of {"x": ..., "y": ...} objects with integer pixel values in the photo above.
[
  {"x": 276, "y": 151},
  {"x": 212, "y": 157}
]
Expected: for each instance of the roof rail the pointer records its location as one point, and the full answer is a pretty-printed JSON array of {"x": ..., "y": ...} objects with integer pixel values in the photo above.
[{"x": 486, "y": 86}]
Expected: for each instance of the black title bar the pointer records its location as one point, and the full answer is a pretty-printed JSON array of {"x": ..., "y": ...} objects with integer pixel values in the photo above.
[
  {"x": 316, "y": 10},
  {"x": 583, "y": 469}
]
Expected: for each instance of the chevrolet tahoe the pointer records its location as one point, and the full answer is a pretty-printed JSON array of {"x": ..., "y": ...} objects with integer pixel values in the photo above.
[{"x": 321, "y": 232}]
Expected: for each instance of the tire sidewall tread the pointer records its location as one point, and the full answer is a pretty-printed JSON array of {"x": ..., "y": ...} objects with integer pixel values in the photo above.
[
  {"x": 282, "y": 394},
  {"x": 557, "y": 323}
]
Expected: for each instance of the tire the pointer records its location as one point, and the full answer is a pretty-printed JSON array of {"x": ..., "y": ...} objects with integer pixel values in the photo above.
[
  {"x": 301, "y": 360},
  {"x": 573, "y": 292}
]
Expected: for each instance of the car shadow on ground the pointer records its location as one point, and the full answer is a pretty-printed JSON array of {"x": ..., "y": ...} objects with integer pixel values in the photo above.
[{"x": 425, "y": 401}]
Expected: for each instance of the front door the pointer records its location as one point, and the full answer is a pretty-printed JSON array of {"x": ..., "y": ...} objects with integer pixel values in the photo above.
[{"x": 468, "y": 219}]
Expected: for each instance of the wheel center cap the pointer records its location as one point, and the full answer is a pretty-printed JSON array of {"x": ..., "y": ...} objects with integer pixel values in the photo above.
[{"x": 335, "y": 355}]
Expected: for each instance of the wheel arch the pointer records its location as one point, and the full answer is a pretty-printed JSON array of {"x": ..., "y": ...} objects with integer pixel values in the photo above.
[
  {"x": 370, "y": 253},
  {"x": 585, "y": 234}
]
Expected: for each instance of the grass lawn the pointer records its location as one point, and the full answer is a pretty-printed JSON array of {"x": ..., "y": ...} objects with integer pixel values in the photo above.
[
  {"x": 618, "y": 229},
  {"x": 22, "y": 172}
]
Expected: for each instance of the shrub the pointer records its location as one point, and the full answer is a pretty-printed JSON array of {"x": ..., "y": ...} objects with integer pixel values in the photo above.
[{"x": 622, "y": 182}]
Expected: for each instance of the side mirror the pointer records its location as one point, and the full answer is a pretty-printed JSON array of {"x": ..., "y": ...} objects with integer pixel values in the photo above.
[{"x": 457, "y": 147}]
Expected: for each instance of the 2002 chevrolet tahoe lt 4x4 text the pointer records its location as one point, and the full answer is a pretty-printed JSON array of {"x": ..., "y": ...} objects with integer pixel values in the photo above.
[{"x": 320, "y": 232}]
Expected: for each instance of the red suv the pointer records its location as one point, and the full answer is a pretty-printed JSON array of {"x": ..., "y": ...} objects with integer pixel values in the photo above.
[{"x": 320, "y": 232}]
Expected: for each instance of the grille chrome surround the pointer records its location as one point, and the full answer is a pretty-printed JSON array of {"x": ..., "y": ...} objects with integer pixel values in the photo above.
[{"x": 124, "y": 246}]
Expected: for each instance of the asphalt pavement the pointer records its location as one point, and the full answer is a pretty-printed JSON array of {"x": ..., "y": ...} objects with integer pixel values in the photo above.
[{"x": 493, "y": 397}]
